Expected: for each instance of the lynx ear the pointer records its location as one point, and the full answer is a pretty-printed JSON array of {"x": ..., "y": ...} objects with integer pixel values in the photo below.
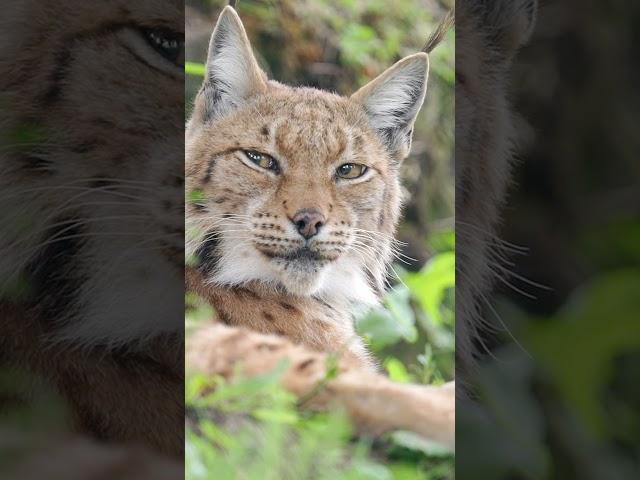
[
  {"x": 232, "y": 72},
  {"x": 392, "y": 102}
]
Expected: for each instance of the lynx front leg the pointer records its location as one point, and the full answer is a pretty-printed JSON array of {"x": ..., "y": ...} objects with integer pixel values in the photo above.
[{"x": 375, "y": 403}]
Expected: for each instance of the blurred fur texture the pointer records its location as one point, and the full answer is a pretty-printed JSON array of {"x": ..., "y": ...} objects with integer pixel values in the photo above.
[
  {"x": 488, "y": 36},
  {"x": 91, "y": 245}
]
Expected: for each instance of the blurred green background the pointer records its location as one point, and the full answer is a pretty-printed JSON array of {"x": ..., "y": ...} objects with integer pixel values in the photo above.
[{"x": 339, "y": 46}]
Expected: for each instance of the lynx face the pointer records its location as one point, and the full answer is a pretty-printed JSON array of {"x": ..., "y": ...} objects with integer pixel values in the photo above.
[
  {"x": 295, "y": 187},
  {"x": 98, "y": 92}
]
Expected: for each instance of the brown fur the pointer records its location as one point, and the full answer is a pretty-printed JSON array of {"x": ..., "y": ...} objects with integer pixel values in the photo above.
[
  {"x": 111, "y": 395},
  {"x": 307, "y": 321},
  {"x": 68, "y": 457}
]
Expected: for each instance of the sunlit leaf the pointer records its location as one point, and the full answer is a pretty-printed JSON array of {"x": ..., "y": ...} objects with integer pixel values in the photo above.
[
  {"x": 196, "y": 69},
  {"x": 279, "y": 416},
  {"x": 396, "y": 370},
  {"x": 431, "y": 283}
]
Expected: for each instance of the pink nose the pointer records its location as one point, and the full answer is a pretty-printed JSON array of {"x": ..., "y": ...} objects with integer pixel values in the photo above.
[{"x": 308, "y": 221}]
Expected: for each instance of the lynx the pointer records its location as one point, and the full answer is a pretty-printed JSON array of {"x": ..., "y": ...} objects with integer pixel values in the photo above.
[{"x": 293, "y": 200}]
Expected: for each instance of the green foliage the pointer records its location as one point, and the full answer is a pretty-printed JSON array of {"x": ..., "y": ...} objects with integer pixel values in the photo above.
[
  {"x": 194, "y": 68},
  {"x": 263, "y": 435},
  {"x": 251, "y": 429},
  {"x": 572, "y": 360},
  {"x": 601, "y": 324},
  {"x": 431, "y": 285},
  {"x": 390, "y": 323},
  {"x": 431, "y": 289}
]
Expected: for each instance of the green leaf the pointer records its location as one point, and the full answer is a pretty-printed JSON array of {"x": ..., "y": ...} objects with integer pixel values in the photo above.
[
  {"x": 386, "y": 326},
  {"x": 197, "y": 310},
  {"x": 429, "y": 286},
  {"x": 367, "y": 470},
  {"x": 196, "y": 196},
  {"x": 277, "y": 416},
  {"x": 442, "y": 241},
  {"x": 195, "y": 69},
  {"x": 398, "y": 303},
  {"x": 217, "y": 435},
  {"x": 397, "y": 371}
]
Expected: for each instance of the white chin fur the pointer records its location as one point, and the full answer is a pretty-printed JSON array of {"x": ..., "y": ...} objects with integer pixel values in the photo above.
[
  {"x": 341, "y": 281},
  {"x": 302, "y": 280},
  {"x": 346, "y": 282}
]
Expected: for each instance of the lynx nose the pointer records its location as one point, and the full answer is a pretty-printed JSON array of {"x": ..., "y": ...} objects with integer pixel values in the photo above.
[{"x": 308, "y": 221}]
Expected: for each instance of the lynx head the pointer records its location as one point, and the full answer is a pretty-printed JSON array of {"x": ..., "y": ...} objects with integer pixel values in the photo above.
[
  {"x": 92, "y": 177},
  {"x": 294, "y": 187}
]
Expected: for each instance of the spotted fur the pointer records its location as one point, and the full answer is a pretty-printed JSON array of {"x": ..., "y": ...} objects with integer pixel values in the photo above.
[{"x": 241, "y": 228}]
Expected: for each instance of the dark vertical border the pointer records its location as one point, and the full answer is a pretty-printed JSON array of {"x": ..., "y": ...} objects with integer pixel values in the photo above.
[{"x": 92, "y": 238}]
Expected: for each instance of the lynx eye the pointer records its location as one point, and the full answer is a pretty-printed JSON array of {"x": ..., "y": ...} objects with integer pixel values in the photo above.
[
  {"x": 167, "y": 43},
  {"x": 262, "y": 160},
  {"x": 351, "y": 171}
]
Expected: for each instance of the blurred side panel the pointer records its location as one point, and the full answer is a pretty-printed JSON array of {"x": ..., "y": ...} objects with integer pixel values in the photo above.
[
  {"x": 548, "y": 228},
  {"x": 92, "y": 238}
]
